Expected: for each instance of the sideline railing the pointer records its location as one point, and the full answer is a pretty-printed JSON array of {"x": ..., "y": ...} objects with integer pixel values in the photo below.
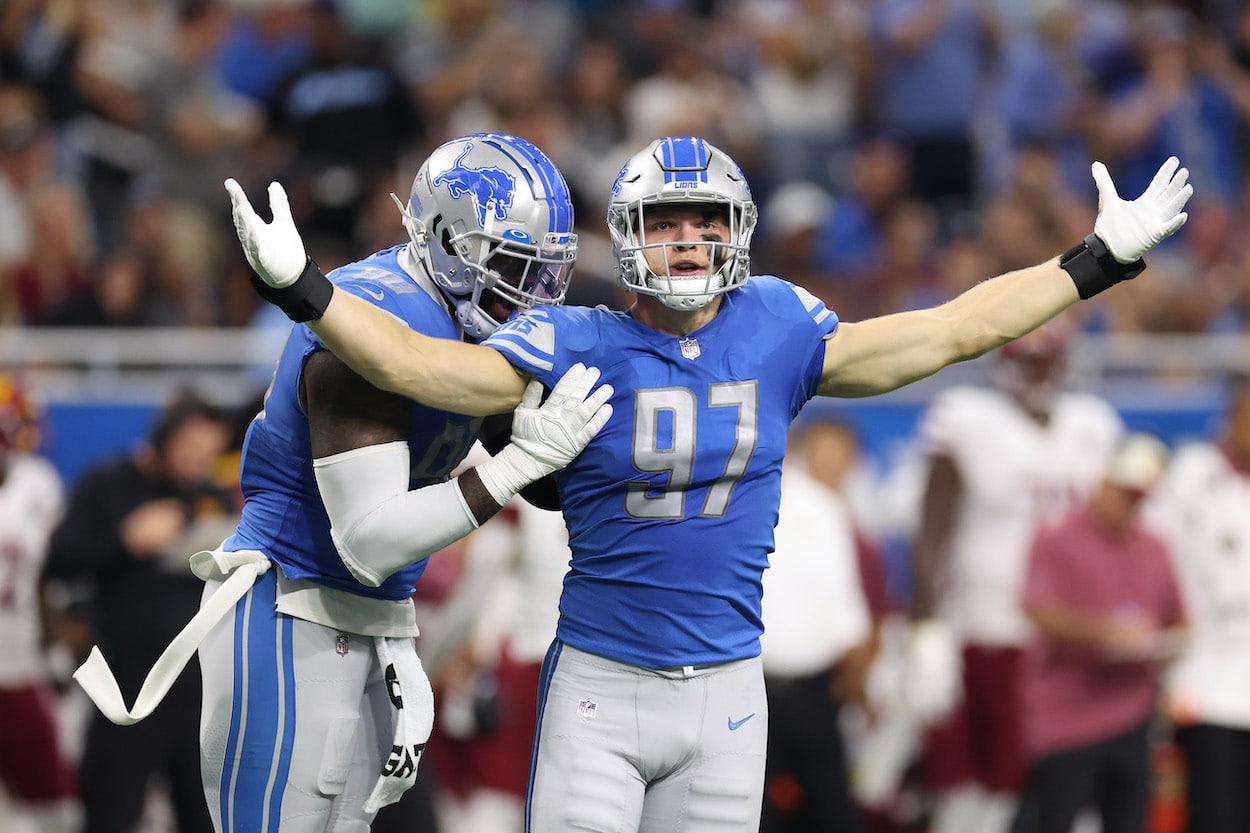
[
  {"x": 231, "y": 365},
  {"x": 228, "y": 365}
]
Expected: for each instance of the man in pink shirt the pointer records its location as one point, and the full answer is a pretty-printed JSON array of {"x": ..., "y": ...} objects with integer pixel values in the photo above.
[{"x": 1101, "y": 593}]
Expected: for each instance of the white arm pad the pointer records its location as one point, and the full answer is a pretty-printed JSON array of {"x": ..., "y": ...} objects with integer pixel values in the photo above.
[{"x": 377, "y": 524}]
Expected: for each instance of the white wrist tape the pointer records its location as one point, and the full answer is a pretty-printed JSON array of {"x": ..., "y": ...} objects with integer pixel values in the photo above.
[
  {"x": 377, "y": 524},
  {"x": 508, "y": 472}
]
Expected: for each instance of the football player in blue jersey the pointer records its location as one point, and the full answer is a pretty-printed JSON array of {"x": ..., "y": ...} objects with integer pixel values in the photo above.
[
  {"x": 652, "y": 713},
  {"x": 315, "y": 706}
]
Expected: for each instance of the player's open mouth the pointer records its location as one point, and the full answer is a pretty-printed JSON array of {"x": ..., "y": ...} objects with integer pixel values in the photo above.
[{"x": 686, "y": 267}]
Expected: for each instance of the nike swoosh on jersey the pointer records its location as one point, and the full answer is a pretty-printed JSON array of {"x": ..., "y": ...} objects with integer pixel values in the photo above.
[
  {"x": 734, "y": 724},
  {"x": 377, "y": 296}
]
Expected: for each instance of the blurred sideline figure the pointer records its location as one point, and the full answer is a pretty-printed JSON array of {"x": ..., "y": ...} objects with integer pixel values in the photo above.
[
  {"x": 819, "y": 636},
  {"x": 485, "y": 655},
  {"x": 1002, "y": 460},
  {"x": 34, "y": 773},
  {"x": 1203, "y": 508},
  {"x": 126, "y": 532},
  {"x": 1101, "y": 592}
]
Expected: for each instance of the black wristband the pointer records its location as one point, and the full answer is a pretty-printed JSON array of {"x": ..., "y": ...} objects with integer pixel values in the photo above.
[
  {"x": 1093, "y": 268},
  {"x": 304, "y": 300}
]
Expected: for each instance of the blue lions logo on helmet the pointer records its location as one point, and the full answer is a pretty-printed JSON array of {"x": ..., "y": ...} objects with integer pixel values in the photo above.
[
  {"x": 487, "y": 186},
  {"x": 616, "y": 184}
]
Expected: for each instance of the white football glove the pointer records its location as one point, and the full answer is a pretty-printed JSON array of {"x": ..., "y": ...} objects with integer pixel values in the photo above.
[
  {"x": 1130, "y": 229},
  {"x": 547, "y": 437},
  {"x": 933, "y": 677},
  {"x": 274, "y": 250}
]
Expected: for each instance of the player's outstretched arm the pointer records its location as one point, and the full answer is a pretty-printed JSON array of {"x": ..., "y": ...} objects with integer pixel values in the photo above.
[
  {"x": 441, "y": 373},
  {"x": 881, "y": 354}
]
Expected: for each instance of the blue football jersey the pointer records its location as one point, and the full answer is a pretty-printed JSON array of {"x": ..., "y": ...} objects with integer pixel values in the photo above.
[
  {"x": 283, "y": 516},
  {"x": 671, "y": 507}
]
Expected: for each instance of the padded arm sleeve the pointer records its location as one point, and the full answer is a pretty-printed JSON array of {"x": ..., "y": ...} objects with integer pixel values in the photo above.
[{"x": 377, "y": 524}]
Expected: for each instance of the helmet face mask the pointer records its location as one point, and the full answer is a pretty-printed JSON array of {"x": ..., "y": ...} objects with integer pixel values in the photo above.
[
  {"x": 491, "y": 221},
  {"x": 680, "y": 172}
]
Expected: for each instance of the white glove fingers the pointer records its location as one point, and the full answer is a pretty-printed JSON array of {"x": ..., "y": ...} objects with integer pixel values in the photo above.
[
  {"x": 279, "y": 206},
  {"x": 1106, "y": 188},
  {"x": 1177, "y": 182},
  {"x": 573, "y": 386},
  {"x": 533, "y": 393},
  {"x": 596, "y": 400},
  {"x": 1180, "y": 189},
  {"x": 1172, "y": 227},
  {"x": 1178, "y": 200},
  {"x": 244, "y": 214},
  {"x": 235, "y": 190},
  {"x": 597, "y": 421},
  {"x": 1164, "y": 175}
]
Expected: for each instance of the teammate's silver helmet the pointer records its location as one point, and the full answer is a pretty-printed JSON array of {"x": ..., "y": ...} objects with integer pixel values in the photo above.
[
  {"x": 681, "y": 170},
  {"x": 491, "y": 221}
]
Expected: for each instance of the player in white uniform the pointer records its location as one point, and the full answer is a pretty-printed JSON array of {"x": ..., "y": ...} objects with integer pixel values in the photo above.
[
  {"x": 652, "y": 712},
  {"x": 32, "y": 767},
  {"x": 1203, "y": 507},
  {"x": 1002, "y": 461}
]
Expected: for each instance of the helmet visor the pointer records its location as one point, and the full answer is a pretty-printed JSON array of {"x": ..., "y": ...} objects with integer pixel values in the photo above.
[
  {"x": 527, "y": 276},
  {"x": 527, "y": 280}
]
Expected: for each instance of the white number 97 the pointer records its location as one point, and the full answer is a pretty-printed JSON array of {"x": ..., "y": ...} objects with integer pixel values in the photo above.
[{"x": 676, "y": 457}]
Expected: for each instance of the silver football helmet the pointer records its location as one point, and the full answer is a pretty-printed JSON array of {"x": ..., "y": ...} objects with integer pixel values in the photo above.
[
  {"x": 491, "y": 221},
  {"x": 681, "y": 170}
]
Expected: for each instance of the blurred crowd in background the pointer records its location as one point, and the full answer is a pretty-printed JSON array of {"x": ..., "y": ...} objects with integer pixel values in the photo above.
[{"x": 899, "y": 150}]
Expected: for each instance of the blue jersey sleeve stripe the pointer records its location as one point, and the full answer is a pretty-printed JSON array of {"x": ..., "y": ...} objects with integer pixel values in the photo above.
[
  {"x": 815, "y": 307},
  {"x": 517, "y": 351}
]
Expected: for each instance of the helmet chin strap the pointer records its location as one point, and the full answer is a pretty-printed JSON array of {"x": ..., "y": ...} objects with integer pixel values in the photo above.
[
  {"x": 683, "y": 303},
  {"x": 680, "y": 301},
  {"x": 475, "y": 323}
]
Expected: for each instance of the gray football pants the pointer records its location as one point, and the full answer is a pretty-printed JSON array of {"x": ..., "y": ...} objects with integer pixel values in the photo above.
[
  {"x": 296, "y": 721},
  {"x": 623, "y": 749}
]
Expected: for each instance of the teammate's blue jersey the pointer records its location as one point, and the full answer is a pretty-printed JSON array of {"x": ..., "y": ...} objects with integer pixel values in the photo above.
[
  {"x": 283, "y": 516},
  {"x": 671, "y": 507}
]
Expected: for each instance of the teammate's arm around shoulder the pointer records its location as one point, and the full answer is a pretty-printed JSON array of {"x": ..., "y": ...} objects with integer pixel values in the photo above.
[
  {"x": 437, "y": 372},
  {"x": 881, "y": 354}
]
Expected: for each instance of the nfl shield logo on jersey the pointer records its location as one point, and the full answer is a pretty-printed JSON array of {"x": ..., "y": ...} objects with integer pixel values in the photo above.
[
  {"x": 340, "y": 644},
  {"x": 690, "y": 348},
  {"x": 586, "y": 709}
]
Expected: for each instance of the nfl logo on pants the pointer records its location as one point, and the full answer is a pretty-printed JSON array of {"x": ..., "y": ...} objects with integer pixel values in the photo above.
[{"x": 586, "y": 709}]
